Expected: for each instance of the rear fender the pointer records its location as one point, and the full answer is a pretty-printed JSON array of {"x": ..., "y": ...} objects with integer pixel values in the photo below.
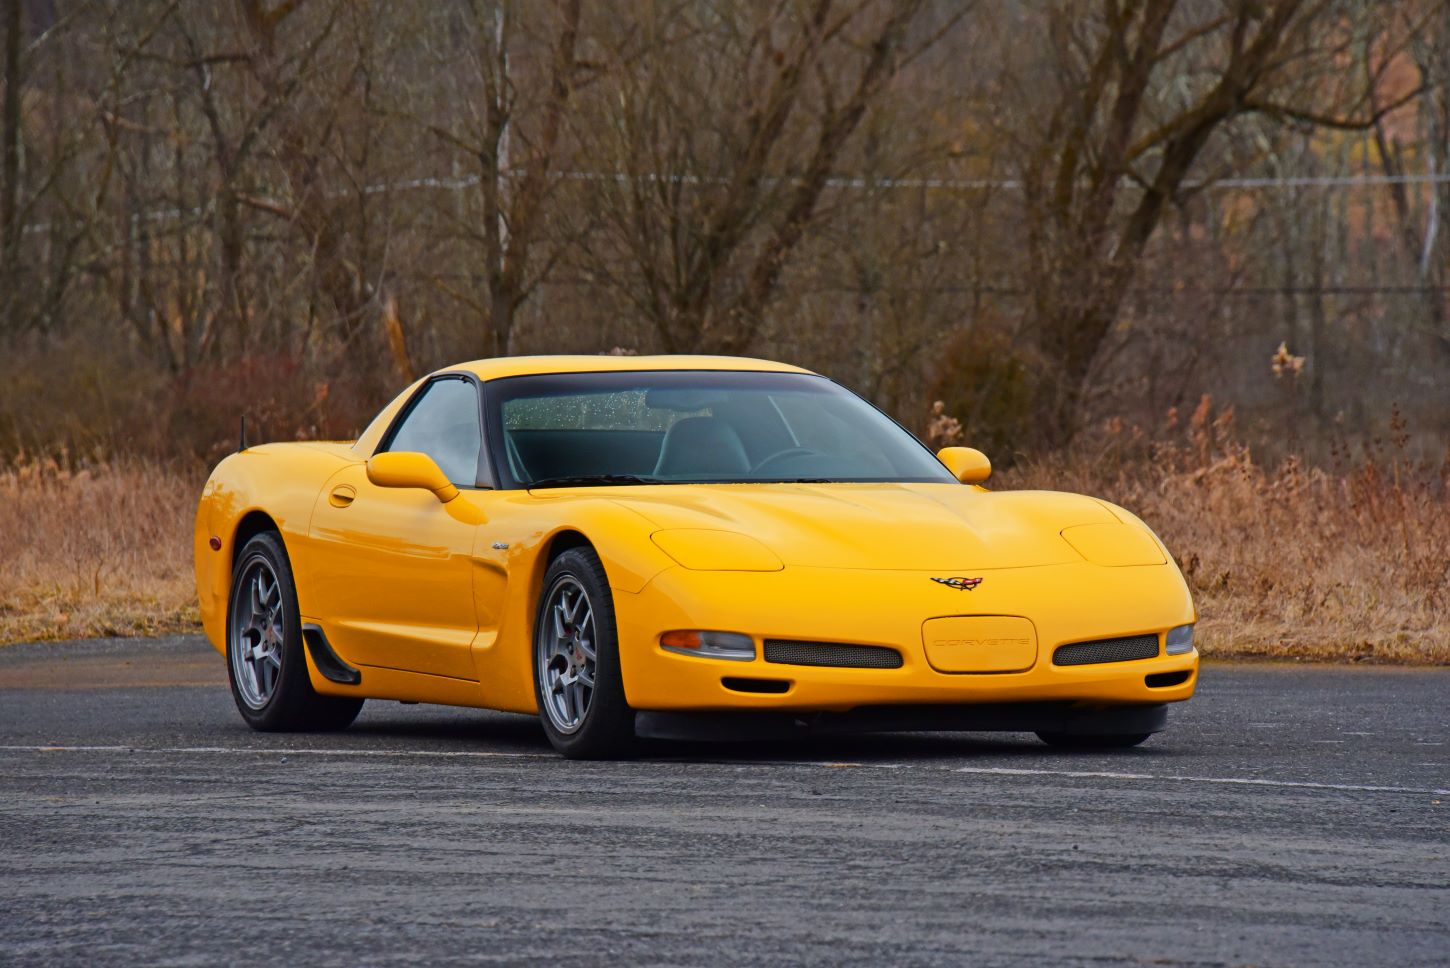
[{"x": 279, "y": 480}]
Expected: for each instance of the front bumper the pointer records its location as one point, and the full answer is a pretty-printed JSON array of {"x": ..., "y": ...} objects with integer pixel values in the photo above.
[{"x": 1064, "y": 603}]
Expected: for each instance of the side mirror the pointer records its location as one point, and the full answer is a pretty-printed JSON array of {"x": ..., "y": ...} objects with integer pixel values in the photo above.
[
  {"x": 968, "y": 464},
  {"x": 408, "y": 469}
]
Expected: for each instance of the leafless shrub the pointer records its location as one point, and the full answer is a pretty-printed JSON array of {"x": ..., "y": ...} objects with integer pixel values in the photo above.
[
  {"x": 1285, "y": 561},
  {"x": 99, "y": 550}
]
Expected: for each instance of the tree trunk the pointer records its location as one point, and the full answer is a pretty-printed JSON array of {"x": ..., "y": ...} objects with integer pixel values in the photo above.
[
  {"x": 1070, "y": 342},
  {"x": 10, "y": 162},
  {"x": 500, "y": 323},
  {"x": 231, "y": 255}
]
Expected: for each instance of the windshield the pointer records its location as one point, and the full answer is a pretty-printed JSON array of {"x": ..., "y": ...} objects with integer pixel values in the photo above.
[{"x": 693, "y": 426}]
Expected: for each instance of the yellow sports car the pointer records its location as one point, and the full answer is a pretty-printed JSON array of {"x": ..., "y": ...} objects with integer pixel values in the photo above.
[{"x": 678, "y": 547}]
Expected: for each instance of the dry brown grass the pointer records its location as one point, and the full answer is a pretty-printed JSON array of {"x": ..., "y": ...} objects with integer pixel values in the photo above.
[
  {"x": 98, "y": 551},
  {"x": 1284, "y": 562}
]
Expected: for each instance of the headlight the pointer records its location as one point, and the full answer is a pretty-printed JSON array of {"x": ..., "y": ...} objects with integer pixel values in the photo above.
[
  {"x": 1114, "y": 545},
  {"x": 1180, "y": 640},
  {"x": 710, "y": 645}
]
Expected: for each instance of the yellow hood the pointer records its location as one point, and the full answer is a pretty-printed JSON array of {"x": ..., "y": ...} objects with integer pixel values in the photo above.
[{"x": 935, "y": 527}]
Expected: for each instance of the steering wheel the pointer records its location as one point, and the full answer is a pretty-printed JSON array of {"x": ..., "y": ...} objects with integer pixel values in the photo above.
[{"x": 783, "y": 454}]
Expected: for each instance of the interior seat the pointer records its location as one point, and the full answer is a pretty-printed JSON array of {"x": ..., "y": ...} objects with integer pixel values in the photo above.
[{"x": 701, "y": 447}]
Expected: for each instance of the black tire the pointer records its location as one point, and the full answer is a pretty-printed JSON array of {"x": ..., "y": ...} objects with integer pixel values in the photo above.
[
  {"x": 280, "y": 699},
  {"x": 1079, "y": 741},
  {"x": 605, "y": 728}
]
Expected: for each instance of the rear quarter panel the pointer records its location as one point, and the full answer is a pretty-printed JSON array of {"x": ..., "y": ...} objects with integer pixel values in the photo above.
[{"x": 280, "y": 481}]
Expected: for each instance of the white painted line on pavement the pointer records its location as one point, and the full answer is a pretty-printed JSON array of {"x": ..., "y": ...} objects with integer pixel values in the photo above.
[
  {"x": 1179, "y": 778},
  {"x": 475, "y": 754},
  {"x": 819, "y": 764}
]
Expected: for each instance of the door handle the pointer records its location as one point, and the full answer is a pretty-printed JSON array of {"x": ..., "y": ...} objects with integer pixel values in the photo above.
[{"x": 342, "y": 495}]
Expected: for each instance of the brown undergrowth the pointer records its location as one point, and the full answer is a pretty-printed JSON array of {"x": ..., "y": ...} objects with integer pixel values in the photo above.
[
  {"x": 1345, "y": 562},
  {"x": 95, "y": 551},
  {"x": 1349, "y": 561}
]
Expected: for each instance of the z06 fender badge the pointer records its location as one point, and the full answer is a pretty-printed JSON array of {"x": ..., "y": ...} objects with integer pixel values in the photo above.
[{"x": 960, "y": 584}]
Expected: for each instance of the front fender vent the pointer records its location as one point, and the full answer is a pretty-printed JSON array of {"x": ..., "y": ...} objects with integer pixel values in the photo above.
[
  {"x": 836, "y": 654},
  {"x": 1107, "y": 650}
]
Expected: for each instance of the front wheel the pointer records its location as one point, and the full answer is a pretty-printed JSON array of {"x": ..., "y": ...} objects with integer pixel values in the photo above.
[
  {"x": 265, "y": 664},
  {"x": 1077, "y": 741},
  {"x": 577, "y": 681}
]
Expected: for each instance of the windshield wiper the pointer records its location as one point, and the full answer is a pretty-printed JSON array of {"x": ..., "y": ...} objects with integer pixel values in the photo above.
[
  {"x": 593, "y": 480},
  {"x": 796, "y": 480}
]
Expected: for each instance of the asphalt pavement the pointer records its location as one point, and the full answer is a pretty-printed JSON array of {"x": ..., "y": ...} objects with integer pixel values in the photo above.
[{"x": 1290, "y": 815}]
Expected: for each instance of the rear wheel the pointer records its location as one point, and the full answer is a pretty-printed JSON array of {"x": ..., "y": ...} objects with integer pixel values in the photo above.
[
  {"x": 1078, "y": 741},
  {"x": 577, "y": 681},
  {"x": 265, "y": 664}
]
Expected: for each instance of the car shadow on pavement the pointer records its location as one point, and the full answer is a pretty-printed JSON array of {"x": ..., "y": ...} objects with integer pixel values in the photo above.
[
  {"x": 884, "y": 748},
  {"x": 436, "y": 729}
]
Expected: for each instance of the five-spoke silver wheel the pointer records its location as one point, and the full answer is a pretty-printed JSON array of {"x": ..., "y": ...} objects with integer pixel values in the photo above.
[
  {"x": 566, "y": 654},
  {"x": 258, "y": 634}
]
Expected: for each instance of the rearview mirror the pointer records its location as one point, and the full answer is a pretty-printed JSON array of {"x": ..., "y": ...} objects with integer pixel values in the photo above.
[
  {"x": 408, "y": 469},
  {"x": 970, "y": 465}
]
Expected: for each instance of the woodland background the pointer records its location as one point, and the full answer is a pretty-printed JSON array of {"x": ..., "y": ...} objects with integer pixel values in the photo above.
[{"x": 1186, "y": 254}]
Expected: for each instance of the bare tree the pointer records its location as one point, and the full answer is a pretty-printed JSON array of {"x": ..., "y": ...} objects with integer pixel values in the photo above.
[
  {"x": 10, "y": 155},
  {"x": 1418, "y": 214},
  {"x": 720, "y": 149},
  {"x": 512, "y": 142},
  {"x": 1119, "y": 144},
  {"x": 1019, "y": 209},
  {"x": 271, "y": 80}
]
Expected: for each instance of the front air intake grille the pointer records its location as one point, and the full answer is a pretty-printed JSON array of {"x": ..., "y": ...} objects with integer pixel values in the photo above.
[
  {"x": 1107, "y": 650},
  {"x": 831, "y": 654}
]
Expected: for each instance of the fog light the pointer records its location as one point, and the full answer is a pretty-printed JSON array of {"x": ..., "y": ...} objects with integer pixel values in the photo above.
[
  {"x": 710, "y": 645},
  {"x": 1180, "y": 640}
]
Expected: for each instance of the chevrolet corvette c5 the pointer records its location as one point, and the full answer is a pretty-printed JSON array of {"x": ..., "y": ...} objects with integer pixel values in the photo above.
[{"x": 672, "y": 547}]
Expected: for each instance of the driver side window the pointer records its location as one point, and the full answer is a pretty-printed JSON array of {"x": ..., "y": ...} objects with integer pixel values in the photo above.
[{"x": 444, "y": 424}]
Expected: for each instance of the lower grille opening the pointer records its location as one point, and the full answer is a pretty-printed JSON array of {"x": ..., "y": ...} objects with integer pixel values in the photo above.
[
  {"x": 838, "y": 654},
  {"x": 741, "y": 684},
  {"x": 1160, "y": 680},
  {"x": 1107, "y": 650}
]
